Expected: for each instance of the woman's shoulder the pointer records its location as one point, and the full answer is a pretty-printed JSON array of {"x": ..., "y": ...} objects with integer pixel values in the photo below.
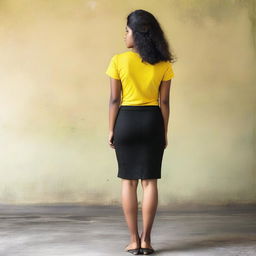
[
  {"x": 126, "y": 57},
  {"x": 127, "y": 54},
  {"x": 131, "y": 56}
]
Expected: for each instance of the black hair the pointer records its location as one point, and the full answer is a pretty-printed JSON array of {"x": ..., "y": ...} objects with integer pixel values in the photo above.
[{"x": 149, "y": 38}]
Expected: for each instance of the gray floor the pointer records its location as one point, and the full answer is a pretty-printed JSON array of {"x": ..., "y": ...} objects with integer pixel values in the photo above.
[{"x": 71, "y": 230}]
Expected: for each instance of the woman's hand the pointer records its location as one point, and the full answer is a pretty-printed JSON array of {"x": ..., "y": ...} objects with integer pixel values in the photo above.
[
  {"x": 110, "y": 139},
  {"x": 166, "y": 141}
]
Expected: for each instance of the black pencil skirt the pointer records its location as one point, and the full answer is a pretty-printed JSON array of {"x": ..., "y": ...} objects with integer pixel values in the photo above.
[{"x": 139, "y": 141}]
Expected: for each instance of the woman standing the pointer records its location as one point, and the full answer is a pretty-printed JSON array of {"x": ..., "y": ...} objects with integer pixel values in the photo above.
[{"x": 140, "y": 82}]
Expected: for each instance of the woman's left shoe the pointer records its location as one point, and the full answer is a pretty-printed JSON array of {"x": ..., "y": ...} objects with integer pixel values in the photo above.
[{"x": 134, "y": 251}]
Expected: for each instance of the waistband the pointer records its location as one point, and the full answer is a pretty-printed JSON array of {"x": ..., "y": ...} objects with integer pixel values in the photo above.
[{"x": 143, "y": 108}]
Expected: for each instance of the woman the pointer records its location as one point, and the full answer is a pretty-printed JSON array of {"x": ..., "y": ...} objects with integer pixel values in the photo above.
[{"x": 140, "y": 82}]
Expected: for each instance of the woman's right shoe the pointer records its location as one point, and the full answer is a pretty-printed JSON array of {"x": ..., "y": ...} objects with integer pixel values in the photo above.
[{"x": 146, "y": 251}]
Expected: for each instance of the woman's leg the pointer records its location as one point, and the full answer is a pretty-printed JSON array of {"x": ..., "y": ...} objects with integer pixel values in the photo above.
[
  {"x": 130, "y": 208},
  {"x": 149, "y": 206}
]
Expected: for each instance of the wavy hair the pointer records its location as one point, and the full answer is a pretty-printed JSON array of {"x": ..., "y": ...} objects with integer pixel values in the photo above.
[{"x": 149, "y": 38}]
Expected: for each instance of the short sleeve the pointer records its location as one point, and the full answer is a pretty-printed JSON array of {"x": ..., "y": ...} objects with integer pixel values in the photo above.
[
  {"x": 169, "y": 74},
  {"x": 112, "y": 69}
]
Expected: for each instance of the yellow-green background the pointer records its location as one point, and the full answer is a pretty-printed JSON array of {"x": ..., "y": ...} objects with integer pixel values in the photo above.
[{"x": 54, "y": 100}]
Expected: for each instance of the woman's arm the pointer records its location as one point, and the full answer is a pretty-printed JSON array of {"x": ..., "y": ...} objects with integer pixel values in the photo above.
[
  {"x": 114, "y": 103},
  {"x": 164, "y": 93}
]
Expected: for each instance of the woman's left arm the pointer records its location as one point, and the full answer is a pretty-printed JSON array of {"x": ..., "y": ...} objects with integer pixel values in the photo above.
[{"x": 114, "y": 103}]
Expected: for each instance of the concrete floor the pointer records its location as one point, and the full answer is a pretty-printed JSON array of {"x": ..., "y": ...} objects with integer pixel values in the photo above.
[{"x": 70, "y": 230}]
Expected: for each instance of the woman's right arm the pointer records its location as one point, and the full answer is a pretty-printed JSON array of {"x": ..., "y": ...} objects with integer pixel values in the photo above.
[{"x": 164, "y": 93}]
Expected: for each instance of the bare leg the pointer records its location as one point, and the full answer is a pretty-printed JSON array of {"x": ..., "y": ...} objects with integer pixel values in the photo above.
[
  {"x": 130, "y": 209},
  {"x": 149, "y": 206}
]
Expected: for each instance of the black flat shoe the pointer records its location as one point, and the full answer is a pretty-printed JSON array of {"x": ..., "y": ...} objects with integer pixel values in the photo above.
[
  {"x": 134, "y": 251},
  {"x": 146, "y": 251}
]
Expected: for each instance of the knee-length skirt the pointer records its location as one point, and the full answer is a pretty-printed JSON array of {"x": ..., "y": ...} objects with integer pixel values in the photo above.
[{"x": 139, "y": 141}]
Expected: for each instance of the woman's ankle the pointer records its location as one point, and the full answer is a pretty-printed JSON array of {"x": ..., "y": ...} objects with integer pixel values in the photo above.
[
  {"x": 145, "y": 239},
  {"x": 135, "y": 238}
]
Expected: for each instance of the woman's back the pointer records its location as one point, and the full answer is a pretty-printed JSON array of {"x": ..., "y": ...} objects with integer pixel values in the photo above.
[{"x": 140, "y": 80}]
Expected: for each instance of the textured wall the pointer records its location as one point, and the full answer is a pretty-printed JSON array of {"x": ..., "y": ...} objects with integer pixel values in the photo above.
[{"x": 54, "y": 100}]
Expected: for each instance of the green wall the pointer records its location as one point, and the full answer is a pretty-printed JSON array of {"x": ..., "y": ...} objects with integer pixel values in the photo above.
[{"x": 54, "y": 101}]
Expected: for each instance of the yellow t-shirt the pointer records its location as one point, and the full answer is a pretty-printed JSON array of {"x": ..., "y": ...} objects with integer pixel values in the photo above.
[{"x": 140, "y": 81}]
